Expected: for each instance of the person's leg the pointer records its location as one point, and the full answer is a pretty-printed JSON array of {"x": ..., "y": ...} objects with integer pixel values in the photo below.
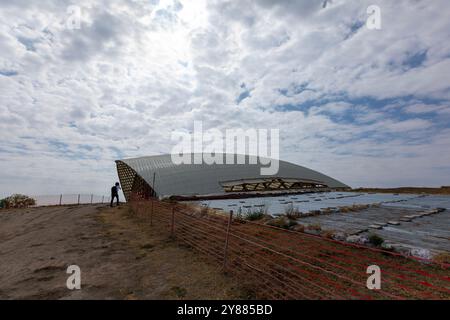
[
  {"x": 112, "y": 200},
  {"x": 117, "y": 196}
]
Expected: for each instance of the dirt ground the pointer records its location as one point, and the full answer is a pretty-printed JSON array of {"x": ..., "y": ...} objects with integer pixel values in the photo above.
[{"x": 120, "y": 258}]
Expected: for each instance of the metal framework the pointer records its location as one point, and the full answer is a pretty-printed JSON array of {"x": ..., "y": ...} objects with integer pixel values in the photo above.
[
  {"x": 141, "y": 189},
  {"x": 271, "y": 184},
  {"x": 133, "y": 183}
]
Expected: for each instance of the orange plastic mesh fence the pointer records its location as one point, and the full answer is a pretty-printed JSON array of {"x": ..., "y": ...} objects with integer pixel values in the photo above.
[{"x": 276, "y": 263}]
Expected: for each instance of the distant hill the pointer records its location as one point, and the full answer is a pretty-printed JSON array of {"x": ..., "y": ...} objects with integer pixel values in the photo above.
[{"x": 441, "y": 190}]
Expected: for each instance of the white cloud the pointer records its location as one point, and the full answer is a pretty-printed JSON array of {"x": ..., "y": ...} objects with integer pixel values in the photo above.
[
  {"x": 72, "y": 101},
  {"x": 427, "y": 108}
]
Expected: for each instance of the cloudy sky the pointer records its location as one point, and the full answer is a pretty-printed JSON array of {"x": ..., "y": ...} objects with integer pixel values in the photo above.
[{"x": 368, "y": 107}]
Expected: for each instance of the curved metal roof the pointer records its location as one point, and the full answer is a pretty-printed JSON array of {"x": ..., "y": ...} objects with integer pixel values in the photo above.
[{"x": 204, "y": 179}]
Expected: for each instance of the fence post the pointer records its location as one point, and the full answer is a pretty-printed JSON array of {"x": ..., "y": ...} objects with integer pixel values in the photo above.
[
  {"x": 92, "y": 197},
  {"x": 173, "y": 222},
  {"x": 151, "y": 214},
  {"x": 78, "y": 199},
  {"x": 103, "y": 199},
  {"x": 227, "y": 236},
  {"x": 60, "y": 199}
]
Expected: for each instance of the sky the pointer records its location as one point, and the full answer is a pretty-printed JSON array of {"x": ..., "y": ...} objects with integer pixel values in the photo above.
[{"x": 368, "y": 107}]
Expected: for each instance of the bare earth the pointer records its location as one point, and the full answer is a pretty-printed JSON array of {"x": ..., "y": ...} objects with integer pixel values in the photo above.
[{"x": 120, "y": 258}]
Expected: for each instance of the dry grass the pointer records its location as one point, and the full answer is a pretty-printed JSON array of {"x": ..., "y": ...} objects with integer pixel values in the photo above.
[
  {"x": 353, "y": 208},
  {"x": 328, "y": 234},
  {"x": 314, "y": 227},
  {"x": 442, "y": 258},
  {"x": 275, "y": 265},
  {"x": 174, "y": 271}
]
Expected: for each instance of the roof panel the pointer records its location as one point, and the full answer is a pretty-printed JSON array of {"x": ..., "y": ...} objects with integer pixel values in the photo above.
[{"x": 202, "y": 179}]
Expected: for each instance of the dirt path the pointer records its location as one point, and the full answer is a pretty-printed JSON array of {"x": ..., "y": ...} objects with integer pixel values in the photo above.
[{"x": 119, "y": 256}]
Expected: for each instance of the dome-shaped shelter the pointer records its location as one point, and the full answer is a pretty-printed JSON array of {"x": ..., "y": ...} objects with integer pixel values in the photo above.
[{"x": 160, "y": 176}]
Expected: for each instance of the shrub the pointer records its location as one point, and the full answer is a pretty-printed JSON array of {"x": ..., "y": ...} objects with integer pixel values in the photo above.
[
  {"x": 298, "y": 228},
  {"x": 292, "y": 212},
  {"x": 327, "y": 211},
  {"x": 376, "y": 205},
  {"x": 239, "y": 216},
  {"x": 281, "y": 222},
  {"x": 315, "y": 227},
  {"x": 204, "y": 210},
  {"x": 17, "y": 201},
  {"x": 376, "y": 240},
  {"x": 442, "y": 258},
  {"x": 328, "y": 234},
  {"x": 179, "y": 291},
  {"x": 344, "y": 209},
  {"x": 254, "y": 215}
]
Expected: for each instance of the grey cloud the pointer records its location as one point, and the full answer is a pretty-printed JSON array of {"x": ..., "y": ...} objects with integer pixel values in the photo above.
[
  {"x": 298, "y": 7},
  {"x": 8, "y": 73},
  {"x": 103, "y": 36}
]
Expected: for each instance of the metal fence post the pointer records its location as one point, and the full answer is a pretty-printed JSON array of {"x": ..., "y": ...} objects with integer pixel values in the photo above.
[
  {"x": 78, "y": 199},
  {"x": 227, "y": 237},
  {"x": 60, "y": 199},
  {"x": 173, "y": 222}
]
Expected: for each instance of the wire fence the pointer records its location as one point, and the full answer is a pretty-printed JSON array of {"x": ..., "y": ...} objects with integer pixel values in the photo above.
[
  {"x": 276, "y": 263},
  {"x": 70, "y": 199}
]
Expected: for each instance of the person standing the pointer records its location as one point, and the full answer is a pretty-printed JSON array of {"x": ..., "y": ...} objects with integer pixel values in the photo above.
[{"x": 115, "y": 193}]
